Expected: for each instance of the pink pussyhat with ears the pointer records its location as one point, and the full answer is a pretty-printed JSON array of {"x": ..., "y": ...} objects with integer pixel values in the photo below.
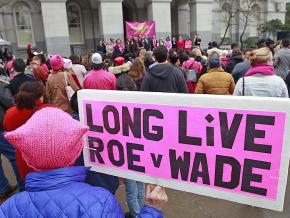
[
  {"x": 50, "y": 139},
  {"x": 56, "y": 62}
]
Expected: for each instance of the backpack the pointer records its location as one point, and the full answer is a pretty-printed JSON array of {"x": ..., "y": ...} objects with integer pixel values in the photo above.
[{"x": 191, "y": 74}]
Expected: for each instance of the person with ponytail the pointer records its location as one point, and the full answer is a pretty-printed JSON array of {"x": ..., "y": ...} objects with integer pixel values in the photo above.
[
  {"x": 27, "y": 102},
  {"x": 260, "y": 80}
]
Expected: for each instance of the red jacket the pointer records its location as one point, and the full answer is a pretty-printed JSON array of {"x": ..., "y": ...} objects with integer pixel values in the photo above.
[
  {"x": 13, "y": 119},
  {"x": 180, "y": 44}
]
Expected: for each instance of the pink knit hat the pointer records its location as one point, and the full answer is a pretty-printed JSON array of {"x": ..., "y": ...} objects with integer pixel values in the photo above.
[
  {"x": 56, "y": 62},
  {"x": 50, "y": 139},
  {"x": 67, "y": 63}
]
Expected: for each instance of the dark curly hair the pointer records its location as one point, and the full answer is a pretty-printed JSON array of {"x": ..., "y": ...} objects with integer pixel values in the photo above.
[{"x": 28, "y": 93}]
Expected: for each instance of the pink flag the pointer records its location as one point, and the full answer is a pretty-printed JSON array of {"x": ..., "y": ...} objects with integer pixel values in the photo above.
[{"x": 134, "y": 29}]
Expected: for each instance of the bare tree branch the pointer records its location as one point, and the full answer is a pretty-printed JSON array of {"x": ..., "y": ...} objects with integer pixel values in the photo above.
[
  {"x": 246, "y": 14},
  {"x": 228, "y": 21},
  {"x": 2, "y": 4}
]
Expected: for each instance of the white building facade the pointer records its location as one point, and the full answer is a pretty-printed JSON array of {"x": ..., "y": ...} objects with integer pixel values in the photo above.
[{"x": 75, "y": 26}]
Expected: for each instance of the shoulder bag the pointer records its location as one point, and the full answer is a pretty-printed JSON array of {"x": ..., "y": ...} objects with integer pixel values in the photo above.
[{"x": 69, "y": 90}]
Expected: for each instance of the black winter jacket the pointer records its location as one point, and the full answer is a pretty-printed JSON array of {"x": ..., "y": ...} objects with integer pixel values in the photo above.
[
  {"x": 6, "y": 101},
  {"x": 17, "y": 82},
  {"x": 233, "y": 62}
]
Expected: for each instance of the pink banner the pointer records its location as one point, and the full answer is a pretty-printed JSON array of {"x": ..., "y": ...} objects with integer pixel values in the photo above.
[
  {"x": 234, "y": 150},
  {"x": 135, "y": 29}
]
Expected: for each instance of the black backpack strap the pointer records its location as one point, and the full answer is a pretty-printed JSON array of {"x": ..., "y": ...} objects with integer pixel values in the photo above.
[{"x": 243, "y": 86}]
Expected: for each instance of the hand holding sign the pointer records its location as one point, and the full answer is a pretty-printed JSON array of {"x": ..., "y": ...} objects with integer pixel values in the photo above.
[{"x": 156, "y": 196}]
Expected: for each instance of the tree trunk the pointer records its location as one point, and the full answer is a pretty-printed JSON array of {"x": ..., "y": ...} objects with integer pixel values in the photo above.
[
  {"x": 243, "y": 32},
  {"x": 226, "y": 31}
]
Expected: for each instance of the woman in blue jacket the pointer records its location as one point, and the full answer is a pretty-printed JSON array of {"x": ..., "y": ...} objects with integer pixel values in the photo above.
[{"x": 50, "y": 142}]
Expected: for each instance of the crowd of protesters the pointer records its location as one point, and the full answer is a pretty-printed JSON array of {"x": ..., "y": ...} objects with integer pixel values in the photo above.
[{"x": 39, "y": 97}]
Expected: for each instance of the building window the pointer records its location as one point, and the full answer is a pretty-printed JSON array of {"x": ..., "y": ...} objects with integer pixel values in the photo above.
[
  {"x": 23, "y": 24},
  {"x": 74, "y": 24}
]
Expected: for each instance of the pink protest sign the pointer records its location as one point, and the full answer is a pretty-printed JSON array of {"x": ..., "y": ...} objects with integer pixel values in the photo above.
[
  {"x": 143, "y": 29},
  {"x": 237, "y": 151}
]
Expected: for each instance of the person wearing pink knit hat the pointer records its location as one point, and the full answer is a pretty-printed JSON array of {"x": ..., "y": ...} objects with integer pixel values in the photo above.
[
  {"x": 50, "y": 142},
  {"x": 56, "y": 62},
  {"x": 68, "y": 67},
  {"x": 67, "y": 63},
  {"x": 56, "y": 83}
]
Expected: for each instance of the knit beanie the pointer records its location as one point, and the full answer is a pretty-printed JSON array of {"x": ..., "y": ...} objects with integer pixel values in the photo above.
[
  {"x": 119, "y": 61},
  {"x": 56, "y": 62},
  {"x": 67, "y": 63},
  {"x": 50, "y": 139},
  {"x": 214, "y": 62}
]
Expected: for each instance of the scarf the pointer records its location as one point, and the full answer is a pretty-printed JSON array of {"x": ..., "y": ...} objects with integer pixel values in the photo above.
[
  {"x": 265, "y": 69},
  {"x": 121, "y": 48},
  {"x": 168, "y": 45}
]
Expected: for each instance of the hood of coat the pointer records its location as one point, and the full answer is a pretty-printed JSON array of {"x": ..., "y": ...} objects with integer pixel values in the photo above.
[
  {"x": 217, "y": 69},
  {"x": 161, "y": 71},
  {"x": 54, "y": 179}
]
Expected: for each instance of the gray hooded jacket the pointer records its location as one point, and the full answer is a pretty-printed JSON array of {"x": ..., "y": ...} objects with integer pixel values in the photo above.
[
  {"x": 282, "y": 63},
  {"x": 164, "y": 78}
]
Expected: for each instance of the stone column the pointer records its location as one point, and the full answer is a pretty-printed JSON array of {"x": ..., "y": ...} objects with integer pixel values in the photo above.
[
  {"x": 55, "y": 27},
  {"x": 183, "y": 20},
  {"x": 111, "y": 19},
  {"x": 160, "y": 12},
  {"x": 201, "y": 20}
]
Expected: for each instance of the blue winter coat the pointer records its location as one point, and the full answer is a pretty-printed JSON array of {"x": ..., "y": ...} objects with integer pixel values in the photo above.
[{"x": 62, "y": 193}]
